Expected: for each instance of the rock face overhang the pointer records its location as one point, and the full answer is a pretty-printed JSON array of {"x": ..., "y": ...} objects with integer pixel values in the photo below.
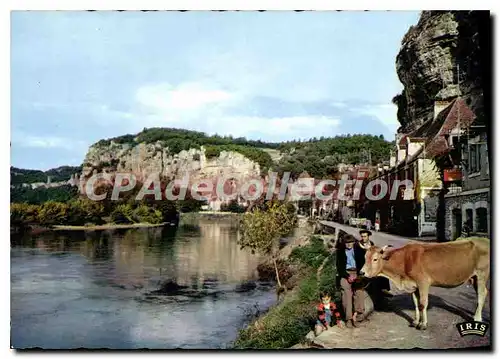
[{"x": 440, "y": 59}]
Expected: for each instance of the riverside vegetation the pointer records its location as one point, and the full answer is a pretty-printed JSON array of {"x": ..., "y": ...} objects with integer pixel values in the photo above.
[
  {"x": 307, "y": 271},
  {"x": 79, "y": 210}
]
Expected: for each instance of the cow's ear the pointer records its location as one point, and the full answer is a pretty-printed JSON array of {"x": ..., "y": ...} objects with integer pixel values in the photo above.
[{"x": 385, "y": 253}]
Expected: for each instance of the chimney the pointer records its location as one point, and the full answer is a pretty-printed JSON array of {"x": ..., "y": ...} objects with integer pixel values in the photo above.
[{"x": 440, "y": 106}]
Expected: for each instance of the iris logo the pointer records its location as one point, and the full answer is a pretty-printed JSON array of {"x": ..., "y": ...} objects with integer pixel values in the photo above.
[{"x": 472, "y": 328}]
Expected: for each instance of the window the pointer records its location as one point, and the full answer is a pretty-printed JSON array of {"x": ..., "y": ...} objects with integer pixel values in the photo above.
[
  {"x": 474, "y": 158},
  {"x": 482, "y": 220}
]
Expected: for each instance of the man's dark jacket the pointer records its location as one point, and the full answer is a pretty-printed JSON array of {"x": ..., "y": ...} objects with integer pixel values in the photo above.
[{"x": 359, "y": 257}]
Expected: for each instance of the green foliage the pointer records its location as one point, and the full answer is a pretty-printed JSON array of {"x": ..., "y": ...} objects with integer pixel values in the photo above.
[
  {"x": 146, "y": 214},
  {"x": 23, "y": 213},
  {"x": 282, "y": 327},
  {"x": 212, "y": 151},
  {"x": 311, "y": 255},
  {"x": 189, "y": 204},
  {"x": 327, "y": 280},
  {"x": 51, "y": 213},
  {"x": 179, "y": 139},
  {"x": 84, "y": 210},
  {"x": 233, "y": 207},
  {"x": 261, "y": 230},
  {"x": 288, "y": 323},
  {"x": 123, "y": 214},
  {"x": 41, "y": 195},
  {"x": 59, "y": 174},
  {"x": 308, "y": 289},
  {"x": 320, "y": 157}
]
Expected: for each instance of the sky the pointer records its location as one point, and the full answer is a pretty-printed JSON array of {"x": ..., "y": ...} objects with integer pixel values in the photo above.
[{"x": 78, "y": 77}]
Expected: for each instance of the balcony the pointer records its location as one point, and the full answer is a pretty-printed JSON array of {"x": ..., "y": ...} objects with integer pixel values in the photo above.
[{"x": 455, "y": 188}]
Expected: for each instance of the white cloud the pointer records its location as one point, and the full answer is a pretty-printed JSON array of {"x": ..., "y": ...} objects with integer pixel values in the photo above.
[
  {"x": 47, "y": 142},
  {"x": 339, "y": 104},
  {"x": 276, "y": 127},
  {"x": 206, "y": 108},
  {"x": 385, "y": 113},
  {"x": 187, "y": 96}
]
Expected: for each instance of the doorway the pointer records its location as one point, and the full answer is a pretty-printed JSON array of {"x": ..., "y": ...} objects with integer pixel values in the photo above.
[{"x": 457, "y": 223}]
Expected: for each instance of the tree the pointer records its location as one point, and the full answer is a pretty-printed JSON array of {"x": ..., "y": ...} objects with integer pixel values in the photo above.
[
  {"x": 53, "y": 213},
  {"x": 262, "y": 229},
  {"x": 22, "y": 214}
]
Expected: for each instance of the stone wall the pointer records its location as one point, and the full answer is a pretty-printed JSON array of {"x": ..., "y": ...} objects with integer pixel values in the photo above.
[{"x": 464, "y": 202}]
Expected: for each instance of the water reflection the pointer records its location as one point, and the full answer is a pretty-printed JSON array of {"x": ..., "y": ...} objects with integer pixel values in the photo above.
[{"x": 92, "y": 288}]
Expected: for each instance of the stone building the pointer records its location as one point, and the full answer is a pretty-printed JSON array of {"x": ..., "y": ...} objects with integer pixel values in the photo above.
[
  {"x": 469, "y": 197},
  {"x": 436, "y": 146}
]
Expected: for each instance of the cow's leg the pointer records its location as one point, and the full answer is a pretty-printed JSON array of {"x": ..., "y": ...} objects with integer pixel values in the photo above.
[
  {"x": 481, "y": 297},
  {"x": 423, "y": 302},
  {"x": 415, "y": 296}
]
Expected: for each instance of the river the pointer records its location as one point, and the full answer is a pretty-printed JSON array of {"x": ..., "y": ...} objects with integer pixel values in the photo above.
[{"x": 101, "y": 289}]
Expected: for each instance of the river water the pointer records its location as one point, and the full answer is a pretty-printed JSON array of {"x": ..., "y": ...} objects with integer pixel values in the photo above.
[{"x": 103, "y": 289}]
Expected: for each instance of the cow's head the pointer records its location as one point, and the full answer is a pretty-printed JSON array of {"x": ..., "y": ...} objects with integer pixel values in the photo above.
[{"x": 374, "y": 261}]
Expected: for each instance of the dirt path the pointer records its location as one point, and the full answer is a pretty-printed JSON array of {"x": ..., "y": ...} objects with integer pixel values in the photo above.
[{"x": 390, "y": 329}]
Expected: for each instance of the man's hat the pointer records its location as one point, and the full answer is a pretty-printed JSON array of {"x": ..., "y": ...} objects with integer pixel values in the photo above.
[{"x": 365, "y": 231}]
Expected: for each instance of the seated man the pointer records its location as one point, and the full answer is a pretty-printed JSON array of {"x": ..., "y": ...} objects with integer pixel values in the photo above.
[
  {"x": 381, "y": 284},
  {"x": 326, "y": 311},
  {"x": 350, "y": 260}
]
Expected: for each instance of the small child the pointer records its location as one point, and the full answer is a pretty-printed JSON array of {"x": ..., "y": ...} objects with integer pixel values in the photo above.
[
  {"x": 377, "y": 225},
  {"x": 326, "y": 311}
]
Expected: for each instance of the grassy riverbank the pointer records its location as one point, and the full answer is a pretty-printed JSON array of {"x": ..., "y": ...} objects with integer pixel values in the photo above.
[{"x": 287, "y": 323}]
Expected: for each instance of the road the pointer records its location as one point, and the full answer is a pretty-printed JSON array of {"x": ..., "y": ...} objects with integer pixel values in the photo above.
[{"x": 390, "y": 329}]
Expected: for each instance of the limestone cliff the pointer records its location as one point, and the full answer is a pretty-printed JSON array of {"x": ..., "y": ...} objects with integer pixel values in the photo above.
[
  {"x": 142, "y": 159},
  {"x": 441, "y": 57}
]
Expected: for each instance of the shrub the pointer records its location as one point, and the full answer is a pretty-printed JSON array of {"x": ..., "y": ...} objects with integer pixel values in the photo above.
[
  {"x": 284, "y": 325},
  {"x": 312, "y": 254},
  {"x": 122, "y": 214},
  {"x": 51, "y": 213},
  {"x": 146, "y": 214},
  {"x": 233, "y": 207},
  {"x": 289, "y": 322},
  {"x": 23, "y": 213}
]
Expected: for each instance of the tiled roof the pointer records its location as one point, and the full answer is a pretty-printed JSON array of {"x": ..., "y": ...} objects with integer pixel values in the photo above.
[
  {"x": 434, "y": 131},
  {"x": 448, "y": 119},
  {"x": 402, "y": 141}
]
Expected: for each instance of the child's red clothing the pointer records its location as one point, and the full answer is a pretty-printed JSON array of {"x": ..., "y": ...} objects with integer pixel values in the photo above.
[{"x": 325, "y": 315}]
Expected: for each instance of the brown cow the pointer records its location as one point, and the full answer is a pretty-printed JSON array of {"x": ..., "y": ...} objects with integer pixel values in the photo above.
[{"x": 416, "y": 267}]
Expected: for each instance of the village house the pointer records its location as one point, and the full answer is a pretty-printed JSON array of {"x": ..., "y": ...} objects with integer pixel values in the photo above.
[
  {"x": 426, "y": 157},
  {"x": 346, "y": 202},
  {"x": 468, "y": 199}
]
